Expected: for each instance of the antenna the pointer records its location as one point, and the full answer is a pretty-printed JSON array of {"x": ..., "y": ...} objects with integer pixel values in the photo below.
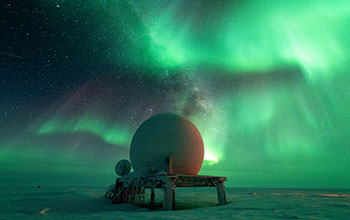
[{"x": 122, "y": 168}]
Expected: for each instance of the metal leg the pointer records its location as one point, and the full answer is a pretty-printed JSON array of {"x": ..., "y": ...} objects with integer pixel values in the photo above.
[
  {"x": 220, "y": 189},
  {"x": 173, "y": 192},
  {"x": 169, "y": 195},
  {"x": 152, "y": 197}
]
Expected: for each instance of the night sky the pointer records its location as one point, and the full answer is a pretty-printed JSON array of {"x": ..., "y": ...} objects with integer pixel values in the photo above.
[{"x": 267, "y": 83}]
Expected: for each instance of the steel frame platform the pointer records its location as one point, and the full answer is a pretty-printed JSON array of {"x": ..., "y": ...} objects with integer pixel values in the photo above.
[{"x": 133, "y": 185}]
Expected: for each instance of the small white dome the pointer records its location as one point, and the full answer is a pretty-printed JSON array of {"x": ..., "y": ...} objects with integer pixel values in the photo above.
[{"x": 167, "y": 139}]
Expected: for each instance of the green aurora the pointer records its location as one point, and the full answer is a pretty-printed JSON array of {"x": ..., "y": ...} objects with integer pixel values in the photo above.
[{"x": 271, "y": 81}]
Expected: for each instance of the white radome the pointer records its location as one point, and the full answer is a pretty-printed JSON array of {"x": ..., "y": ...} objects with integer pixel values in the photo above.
[{"x": 167, "y": 143}]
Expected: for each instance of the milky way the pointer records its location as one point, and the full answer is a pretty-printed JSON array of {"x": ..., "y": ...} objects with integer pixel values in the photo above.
[{"x": 265, "y": 82}]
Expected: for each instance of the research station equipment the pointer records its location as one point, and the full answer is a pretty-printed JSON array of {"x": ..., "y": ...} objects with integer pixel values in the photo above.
[{"x": 166, "y": 151}]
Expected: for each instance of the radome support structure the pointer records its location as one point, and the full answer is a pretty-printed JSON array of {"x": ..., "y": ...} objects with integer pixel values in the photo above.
[{"x": 131, "y": 189}]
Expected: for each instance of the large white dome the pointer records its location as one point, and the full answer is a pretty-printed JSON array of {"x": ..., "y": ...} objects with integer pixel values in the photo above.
[{"x": 163, "y": 138}]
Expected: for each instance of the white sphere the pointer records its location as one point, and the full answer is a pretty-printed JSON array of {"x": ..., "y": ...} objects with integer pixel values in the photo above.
[{"x": 166, "y": 139}]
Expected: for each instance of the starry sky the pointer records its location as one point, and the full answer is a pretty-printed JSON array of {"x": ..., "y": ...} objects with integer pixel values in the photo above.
[{"x": 265, "y": 82}]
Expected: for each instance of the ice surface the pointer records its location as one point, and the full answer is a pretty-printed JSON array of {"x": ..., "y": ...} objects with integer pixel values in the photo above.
[{"x": 88, "y": 203}]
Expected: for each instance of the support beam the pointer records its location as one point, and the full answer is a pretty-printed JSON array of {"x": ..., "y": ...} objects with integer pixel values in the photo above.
[
  {"x": 220, "y": 189},
  {"x": 169, "y": 195},
  {"x": 152, "y": 197}
]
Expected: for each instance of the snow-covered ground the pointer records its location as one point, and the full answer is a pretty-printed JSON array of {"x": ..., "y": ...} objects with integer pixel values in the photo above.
[{"x": 88, "y": 203}]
